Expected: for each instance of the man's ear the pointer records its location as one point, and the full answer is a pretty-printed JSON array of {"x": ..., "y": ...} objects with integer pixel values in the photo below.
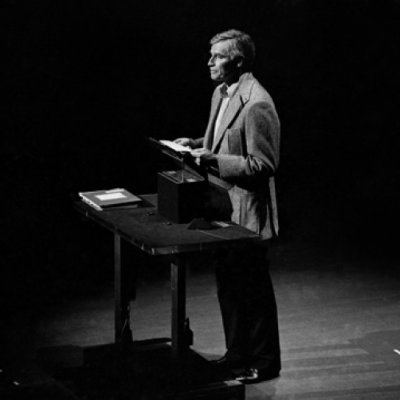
[{"x": 239, "y": 62}]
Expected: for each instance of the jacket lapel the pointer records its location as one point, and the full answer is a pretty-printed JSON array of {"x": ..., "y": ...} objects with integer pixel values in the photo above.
[
  {"x": 209, "y": 135},
  {"x": 235, "y": 105}
]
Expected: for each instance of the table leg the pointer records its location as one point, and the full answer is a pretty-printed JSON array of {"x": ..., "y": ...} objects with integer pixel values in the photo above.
[
  {"x": 178, "y": 317},
  {"x": 123, "y": 333}
]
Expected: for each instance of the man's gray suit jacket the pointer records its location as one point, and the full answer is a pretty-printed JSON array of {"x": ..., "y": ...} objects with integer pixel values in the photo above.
[{"x": 247, "y": 142}]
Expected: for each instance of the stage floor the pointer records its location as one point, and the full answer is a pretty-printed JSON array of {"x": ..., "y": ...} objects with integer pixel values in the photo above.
[{"x": 339, "y": 319}]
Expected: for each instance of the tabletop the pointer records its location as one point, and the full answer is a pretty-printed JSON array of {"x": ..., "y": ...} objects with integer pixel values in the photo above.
[{"x": 146, "y": 229}]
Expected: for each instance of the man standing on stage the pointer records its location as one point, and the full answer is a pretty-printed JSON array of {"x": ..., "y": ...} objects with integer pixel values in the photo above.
[{"x": 242, "y": 144}]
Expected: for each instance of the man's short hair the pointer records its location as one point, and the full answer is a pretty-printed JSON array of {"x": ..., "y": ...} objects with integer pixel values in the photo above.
[{"x": 242, "y": 45}]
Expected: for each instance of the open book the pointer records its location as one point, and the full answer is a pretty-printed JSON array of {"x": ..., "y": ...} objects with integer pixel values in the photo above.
[
  {"x": 101, "y": 199},
  {"x": 176, "y": 147}
]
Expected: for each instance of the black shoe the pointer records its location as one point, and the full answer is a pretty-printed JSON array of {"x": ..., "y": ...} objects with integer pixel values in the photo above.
[{"x": 254, "y": 375}]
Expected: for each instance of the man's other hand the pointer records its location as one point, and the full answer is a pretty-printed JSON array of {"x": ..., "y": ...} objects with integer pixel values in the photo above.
[
  {"x": 204, "y": 156},
  {"x": 184, "y": 141}
]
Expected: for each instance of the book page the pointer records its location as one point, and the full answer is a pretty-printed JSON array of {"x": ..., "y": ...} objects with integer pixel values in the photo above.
[
  {"x": 111, "y": 196},
  {"x": 176, "y": 146}
]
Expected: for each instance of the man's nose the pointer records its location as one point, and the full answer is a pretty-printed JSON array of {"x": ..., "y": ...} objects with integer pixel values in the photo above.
[{"x": 211, "y": 61}]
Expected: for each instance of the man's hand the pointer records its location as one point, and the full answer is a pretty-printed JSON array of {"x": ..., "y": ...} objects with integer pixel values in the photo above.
[
  {"x": 204, "y": 156},
  {"x": 184, "y": 141}
]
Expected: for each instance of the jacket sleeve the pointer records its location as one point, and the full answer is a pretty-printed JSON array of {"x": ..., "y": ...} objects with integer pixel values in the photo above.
[{"x": 260, "y": 133}]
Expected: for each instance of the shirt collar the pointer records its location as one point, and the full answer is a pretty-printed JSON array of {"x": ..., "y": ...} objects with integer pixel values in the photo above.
[{"x": 227, "y": 91}]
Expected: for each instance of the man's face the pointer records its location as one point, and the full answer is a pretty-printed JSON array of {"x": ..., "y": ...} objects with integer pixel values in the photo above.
[{"x": 222, "y": 67}]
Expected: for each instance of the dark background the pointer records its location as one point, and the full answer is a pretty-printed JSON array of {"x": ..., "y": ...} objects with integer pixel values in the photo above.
[{"x": 84, "y": 81}]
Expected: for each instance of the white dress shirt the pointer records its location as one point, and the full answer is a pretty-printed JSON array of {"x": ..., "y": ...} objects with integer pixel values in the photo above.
[{"x": 226, "y": 94}]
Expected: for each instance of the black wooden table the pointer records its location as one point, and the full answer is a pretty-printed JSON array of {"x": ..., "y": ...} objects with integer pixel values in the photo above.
[{"x": 145, "y": 229}]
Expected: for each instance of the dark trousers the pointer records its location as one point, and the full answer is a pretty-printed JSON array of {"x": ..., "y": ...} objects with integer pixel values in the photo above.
[{"x": 248, "y": 307}]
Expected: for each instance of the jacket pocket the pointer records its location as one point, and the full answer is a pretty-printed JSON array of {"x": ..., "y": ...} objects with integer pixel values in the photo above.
[
  {"x": 246, "y": 209},
  {"x": 235, "y": 142}
]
